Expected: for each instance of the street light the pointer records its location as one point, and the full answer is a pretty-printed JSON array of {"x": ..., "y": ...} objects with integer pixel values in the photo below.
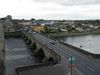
[
  {"x": 72, "y": 40},
  {"x": 90, "y": 45},
  {"x": 58, "y": 40}
]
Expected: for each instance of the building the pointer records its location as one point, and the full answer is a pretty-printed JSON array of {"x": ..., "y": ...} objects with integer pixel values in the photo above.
[
  {"x": 8, "y": 24},
  {"x": 25, "y": 22},
  {"x": 38, "y": 28}
]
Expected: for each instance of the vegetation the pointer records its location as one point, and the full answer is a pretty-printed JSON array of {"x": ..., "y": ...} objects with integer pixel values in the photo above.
[
  {"x": 33, "y": 19},
  {"x": 47, "y": 30},
  {"x": 2, "y": 18}
]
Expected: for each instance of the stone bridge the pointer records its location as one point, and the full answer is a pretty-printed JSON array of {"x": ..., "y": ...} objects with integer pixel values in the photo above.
[
  {"x": 51, "y": 61},
  {"x": 40, "y": 49}
]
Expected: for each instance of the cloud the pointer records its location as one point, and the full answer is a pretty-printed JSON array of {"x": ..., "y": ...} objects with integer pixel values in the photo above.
[
  {"x": 72, "y": 2},
  {"x": 48, "y": 10}
]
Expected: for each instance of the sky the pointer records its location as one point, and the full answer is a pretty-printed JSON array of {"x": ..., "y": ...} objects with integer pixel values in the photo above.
[{"x": 51, "y": 9}]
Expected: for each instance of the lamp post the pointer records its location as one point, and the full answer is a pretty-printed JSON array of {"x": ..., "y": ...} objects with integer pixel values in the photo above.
[
  {"x": 58, "y": 40},
  {"x": 71, "y": 61},
  {"x": 90, "y": 45},
  {"x": 72, "y": 40}
]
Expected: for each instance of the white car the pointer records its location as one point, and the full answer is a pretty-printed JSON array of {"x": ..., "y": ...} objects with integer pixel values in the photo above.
[{"x": 52, "y": 42}]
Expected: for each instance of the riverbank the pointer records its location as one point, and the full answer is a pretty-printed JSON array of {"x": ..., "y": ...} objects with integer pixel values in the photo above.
[
  {"x": 62, "y": 34},
  {"x": 12, "y": 34}
]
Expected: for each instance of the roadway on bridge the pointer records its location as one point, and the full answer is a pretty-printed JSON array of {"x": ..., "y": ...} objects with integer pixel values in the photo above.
[{"x": 86, "y": 64}]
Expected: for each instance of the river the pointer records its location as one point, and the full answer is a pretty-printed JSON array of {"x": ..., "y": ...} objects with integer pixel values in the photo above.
[
  {"x": 89, "y": 43},
  {"x": 17, "y": 54}
]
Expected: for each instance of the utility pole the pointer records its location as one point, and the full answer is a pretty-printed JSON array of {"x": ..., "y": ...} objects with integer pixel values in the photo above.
[
  {"x": 71, "y": 66},
  {"x": 90, "y": 47},
  {"x": 58, "y": 40}
]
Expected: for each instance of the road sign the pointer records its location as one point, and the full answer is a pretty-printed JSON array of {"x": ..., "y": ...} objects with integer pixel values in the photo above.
[
  {"x": 71, "y": 65},
  {"x": 71, "y": 60}
]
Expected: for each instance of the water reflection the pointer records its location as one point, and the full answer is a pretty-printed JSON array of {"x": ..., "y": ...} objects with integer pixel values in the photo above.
[{"x": 89, "y": 43}]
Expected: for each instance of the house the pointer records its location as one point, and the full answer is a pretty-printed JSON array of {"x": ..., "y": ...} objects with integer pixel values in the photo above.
[
  {"x": 38, "y": 28},
  {"x": 79, "y": 29},
  {"x": 43, "y": 22}
]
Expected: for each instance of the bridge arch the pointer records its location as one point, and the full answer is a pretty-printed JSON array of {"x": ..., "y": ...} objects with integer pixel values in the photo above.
[
  {"x": 23, "y": 35},
  {"x": 40, "y": 54},
  {"x": 34, "y": 46},
  {"x": 29, "y": 41},
  {"x": 26, "y": 38},
  {"x": 51, "y": 59}
]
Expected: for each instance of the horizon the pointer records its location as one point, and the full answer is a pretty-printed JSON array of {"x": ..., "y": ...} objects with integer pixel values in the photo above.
[{"x": 48, "y": 19}]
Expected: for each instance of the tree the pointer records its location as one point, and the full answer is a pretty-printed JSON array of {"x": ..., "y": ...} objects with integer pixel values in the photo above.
[
  {"x": 97, "y": 21},
  {"x": 46, "y": 29},
  {"x": 59, "y": 30},
  {"x": 33, "y": 19},
  {"x": 23, "y": 19},
  {"x": 2, "y": 18},
  {"x": 40, "y": 19}
]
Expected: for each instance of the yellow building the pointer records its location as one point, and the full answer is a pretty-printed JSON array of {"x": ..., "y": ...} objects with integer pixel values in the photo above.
[{"x": 38, "y": 28}]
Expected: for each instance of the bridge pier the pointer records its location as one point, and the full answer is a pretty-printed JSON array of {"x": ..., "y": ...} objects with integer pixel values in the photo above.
[
  {"x": 50, "y": 59},
  {"x": 23, "y": 35},
  {"x": 30, "y": 44},
  {"x": 33, "y": 47},
  {"x": 28, "y": 41},
  {"x": 40, "y": 53},
  {"x": 26, "y": 38},
  {"x": 45, "y": 59}
]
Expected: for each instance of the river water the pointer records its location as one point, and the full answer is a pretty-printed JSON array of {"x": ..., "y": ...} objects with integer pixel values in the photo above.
[
  {"x": 17, "y": 54},
  {"x": 90, "y": 43}
]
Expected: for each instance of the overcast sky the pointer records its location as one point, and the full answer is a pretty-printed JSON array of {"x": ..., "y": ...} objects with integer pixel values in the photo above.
[{"x": 51, "y": 9}]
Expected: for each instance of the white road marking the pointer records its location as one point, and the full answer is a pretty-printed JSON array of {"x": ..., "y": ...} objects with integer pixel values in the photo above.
[
  {"x": 88, "y": 67},
  {"x": 91, "y": 69},
  {"x": 82, "y": 63}
]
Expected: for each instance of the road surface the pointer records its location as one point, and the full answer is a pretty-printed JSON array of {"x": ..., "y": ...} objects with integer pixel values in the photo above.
[{"x": 86, "y": 64}]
